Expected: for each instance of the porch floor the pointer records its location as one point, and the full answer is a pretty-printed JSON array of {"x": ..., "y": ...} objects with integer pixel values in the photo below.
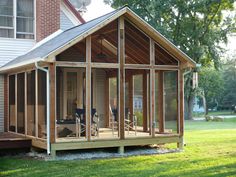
[
  {"x": 13, "y": 141},
  {"x": 106, "y": 134}
]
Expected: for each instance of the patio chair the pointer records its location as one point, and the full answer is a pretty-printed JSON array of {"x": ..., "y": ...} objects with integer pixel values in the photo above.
[
  {"x": 81, "y": 123},
  {"x": 130, "y": 124}
]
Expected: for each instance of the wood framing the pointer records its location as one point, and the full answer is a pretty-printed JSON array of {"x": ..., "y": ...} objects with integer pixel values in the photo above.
[
  {"x": 88, "y": 88},
  {"x": 121, "y": 46},
  {"x": 52, "y": 76},
  {"x": 81, "y": 82},
  {"x": 145, "y": 102},
  {"x": 160, "y": 102}
]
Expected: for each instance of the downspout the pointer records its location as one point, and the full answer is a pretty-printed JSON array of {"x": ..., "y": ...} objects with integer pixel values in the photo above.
[{"x": 48, "y": 107}]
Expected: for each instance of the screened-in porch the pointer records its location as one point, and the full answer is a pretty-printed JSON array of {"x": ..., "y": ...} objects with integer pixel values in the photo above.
[{"x": 120, "y": 84}]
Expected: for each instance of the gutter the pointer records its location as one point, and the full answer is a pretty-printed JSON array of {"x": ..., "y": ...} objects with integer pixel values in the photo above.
[{"x": 48, "y": 107}]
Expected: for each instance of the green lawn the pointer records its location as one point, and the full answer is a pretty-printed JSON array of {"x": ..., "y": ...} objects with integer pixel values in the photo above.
[
  {"x": 215, "y": 113},
  {"x": 210, "y": 151}
]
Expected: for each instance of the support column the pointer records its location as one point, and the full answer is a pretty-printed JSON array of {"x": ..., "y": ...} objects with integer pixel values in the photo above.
[
  {"x": 107, "y": 103},
  {"x": 88, "y": 88},
  {"x": 26, "y": 112},
  {"x": 160, "y": 102},
  {"x": 6, "y": 103},
  {"x": 36, "y": 104},
  {"x": 121, "y": 53},
  {"x": 181, "y": 109},
  {"x": 131, "y": 96},
  {"x": 52, "y": 76},
  {"x": 145, "y": 112}
]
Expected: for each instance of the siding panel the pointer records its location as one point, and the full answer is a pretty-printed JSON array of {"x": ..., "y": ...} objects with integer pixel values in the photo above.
[
  {"x": 12, "y": 48},
  {"x": 65, "y": 22}
]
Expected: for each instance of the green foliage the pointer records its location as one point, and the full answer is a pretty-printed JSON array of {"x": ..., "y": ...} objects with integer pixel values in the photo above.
[
  {"x": 229, "y": 76},
  {"x": 212, "y": 84},
  {"x": 196, "y": 27}
]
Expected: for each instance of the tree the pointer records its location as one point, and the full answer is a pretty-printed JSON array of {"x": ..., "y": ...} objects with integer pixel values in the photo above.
[
  {"x": 229, "y": 76},
  {"x": 196, "y": 27},
  {"x": 211, "y": 86}
]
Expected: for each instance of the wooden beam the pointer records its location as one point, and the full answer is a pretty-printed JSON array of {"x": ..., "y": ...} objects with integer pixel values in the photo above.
[
  {"x": 181, "y": 102},
  {"x": 16, "y": 102},
  {"x": 52, "y": 76},
  {"x": 6, "y": 103},
  {"x": 161, "y": 139},
  {"x": 145, "y": 111},
  {"x": 88, "y": 88},
  {"x": 152, "y": 89},
  {"x": 131, "y": 96},
  {"x": 36, "y": 104},
  {"x": 26, "y": 115},
  {"x": 121, "y": 54},
  {"x": 107, "y": 104},
  {"x": 161, "y": 101}
]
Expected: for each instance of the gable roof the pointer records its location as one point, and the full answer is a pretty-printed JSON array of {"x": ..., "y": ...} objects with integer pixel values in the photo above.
[
  {"x": 66, "y": 39},
  {"x": 74, "y": 11}
]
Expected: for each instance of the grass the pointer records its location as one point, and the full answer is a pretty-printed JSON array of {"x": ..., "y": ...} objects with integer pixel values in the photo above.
[
  {"x": 210, "y": 151},
  {"x": 215, "y": 113}
]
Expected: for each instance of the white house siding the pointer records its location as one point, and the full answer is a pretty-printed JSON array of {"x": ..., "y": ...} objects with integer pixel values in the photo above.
[
  {"x": 1, "y": 103},
  {"x": 65, "y": 22},
  {"x": 12, "y": 48},
  {"x": 99, "y": 102}
]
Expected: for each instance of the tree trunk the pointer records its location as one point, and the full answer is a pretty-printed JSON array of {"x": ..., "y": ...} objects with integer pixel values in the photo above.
[
  {"x": 205, "y": 105},
  {"x": 190, "y": 107}
]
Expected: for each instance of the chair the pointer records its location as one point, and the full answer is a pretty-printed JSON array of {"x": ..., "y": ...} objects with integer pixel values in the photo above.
[
  {"x": 129, "y": 124},
  {"x": 81, "y": 122}
]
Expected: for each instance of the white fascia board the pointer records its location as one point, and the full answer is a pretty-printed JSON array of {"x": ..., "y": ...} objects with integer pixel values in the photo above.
[{"x": 18, "y": 65}]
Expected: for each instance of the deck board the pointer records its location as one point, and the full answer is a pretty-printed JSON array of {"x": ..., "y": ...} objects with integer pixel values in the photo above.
[{"x": 13, "y": 141}]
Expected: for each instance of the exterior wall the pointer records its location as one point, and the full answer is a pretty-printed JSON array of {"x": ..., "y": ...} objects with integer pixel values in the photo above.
[
  {"x": 12, "y": 48},
  {"x": 65, "y": 22},
  {"x": 1, "y": 103},
  {"x": 48, "y": 18}
]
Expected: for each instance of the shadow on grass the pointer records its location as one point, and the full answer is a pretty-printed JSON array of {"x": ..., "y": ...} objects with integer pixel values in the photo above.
[{"x": 132, "y": 166}]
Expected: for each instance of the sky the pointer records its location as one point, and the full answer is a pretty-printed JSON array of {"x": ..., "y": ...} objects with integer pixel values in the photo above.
[
  {"x": 98, "y": 8},
  {"x": 95, "y": 9}
]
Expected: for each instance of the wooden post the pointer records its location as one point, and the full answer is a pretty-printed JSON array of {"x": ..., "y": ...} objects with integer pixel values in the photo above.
[
  {"x": 16, "y": 102},
  {"x": 160, "y": 102},
  {"x": 36, "y": 103},
  {"x": 121, "y": 54},
  {"x": 88, "y": 88},
  {"x": 131, "y": 95},
  {"x": 52, "y": 76},
  {"x": 181, "y": 102},
  {"x": 26, "y": 113},
  {"x": 107, "y": 103},
  {"x": 181, "y": 108},
  {"x": 152, "y": 88},
  {"x": 6, "y": 103},
  {"x": 145, "y": 112}
]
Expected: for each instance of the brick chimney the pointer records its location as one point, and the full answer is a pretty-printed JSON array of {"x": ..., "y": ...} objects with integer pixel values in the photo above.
[{"x": 47, "y": 18}]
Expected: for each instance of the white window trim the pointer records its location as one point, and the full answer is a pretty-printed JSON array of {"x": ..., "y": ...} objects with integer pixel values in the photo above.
[{"x": 14, "y": 23}]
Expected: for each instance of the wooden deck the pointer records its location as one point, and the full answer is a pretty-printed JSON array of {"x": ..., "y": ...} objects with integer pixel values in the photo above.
[{"x": 13, "y": 141}]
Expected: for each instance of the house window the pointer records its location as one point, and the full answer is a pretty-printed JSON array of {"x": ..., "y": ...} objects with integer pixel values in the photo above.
[
  {"x": 18, "y": 23},
  {"x": 6, "y": 19}
]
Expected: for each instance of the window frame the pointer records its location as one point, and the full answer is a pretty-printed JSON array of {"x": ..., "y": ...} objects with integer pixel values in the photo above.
[{"x": 14, "y": 28}]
